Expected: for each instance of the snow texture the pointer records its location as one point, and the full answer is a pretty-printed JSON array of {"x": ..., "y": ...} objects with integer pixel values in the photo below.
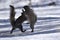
[{"x": 47, "y": 26}]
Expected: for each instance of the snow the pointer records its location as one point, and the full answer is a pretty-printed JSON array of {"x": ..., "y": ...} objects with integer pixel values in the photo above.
[
  {"x": 47, "y": 26},
  {"x": 45, "y": 29},
  {"x": 36, "y": 37}
]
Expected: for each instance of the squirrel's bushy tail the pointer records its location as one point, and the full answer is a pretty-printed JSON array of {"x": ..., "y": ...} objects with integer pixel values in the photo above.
[{"x": 12, "y": 15}]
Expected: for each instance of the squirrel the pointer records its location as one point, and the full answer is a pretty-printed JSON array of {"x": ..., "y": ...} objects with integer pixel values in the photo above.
[
  {"x": 31, "y": 16},
  {"x": 18, "y": 22}
]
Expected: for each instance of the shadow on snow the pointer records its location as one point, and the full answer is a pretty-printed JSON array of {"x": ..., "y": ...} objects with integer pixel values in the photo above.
[
  {"x": 45, "y": 29},
  {"x": 38, "y": 30}
]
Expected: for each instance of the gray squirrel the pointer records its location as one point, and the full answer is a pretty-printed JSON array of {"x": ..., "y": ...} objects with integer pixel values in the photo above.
[
  {"x": 18, "y": 22},
  {"x": 31, "y": 16}
]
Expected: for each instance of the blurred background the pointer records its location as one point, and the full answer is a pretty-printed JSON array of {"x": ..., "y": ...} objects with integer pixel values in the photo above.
[{"x": 43, "y": 8}]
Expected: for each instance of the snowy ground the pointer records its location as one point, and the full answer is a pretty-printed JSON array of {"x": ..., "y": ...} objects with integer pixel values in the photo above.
[{"x": 46, "y": 28}]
